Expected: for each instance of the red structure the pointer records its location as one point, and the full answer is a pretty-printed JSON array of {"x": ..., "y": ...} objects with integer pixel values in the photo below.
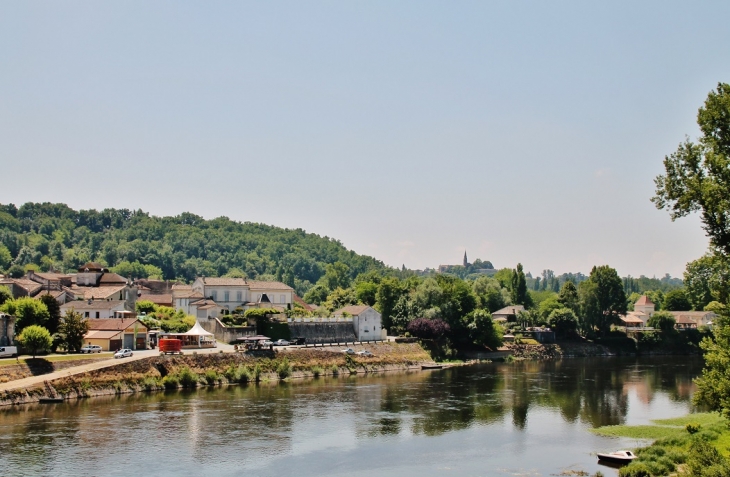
[{"x": 169, "y": 346}]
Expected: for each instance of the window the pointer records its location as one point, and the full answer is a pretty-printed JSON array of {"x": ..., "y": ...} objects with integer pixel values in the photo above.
[
  {"x": 214, "y": 295},
  {"x": 226, "y": 296},
  {"x": 239, "y": 296},
  {"x": 282, "y": 298},
  {"x": 86, "y": 315},
  {"x": 97, "y": 314}
]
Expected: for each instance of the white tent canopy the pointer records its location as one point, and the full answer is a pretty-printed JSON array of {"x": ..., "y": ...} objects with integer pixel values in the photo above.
[{"x": 197, "y": 330}]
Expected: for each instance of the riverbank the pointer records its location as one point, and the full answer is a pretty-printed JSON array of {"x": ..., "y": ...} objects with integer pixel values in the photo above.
[
  {"x": 680, "y": 444},
  {"x": 192, "y": 370}
]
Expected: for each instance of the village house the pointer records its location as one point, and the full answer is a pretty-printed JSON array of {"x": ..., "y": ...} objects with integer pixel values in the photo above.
[
  {"x": 95, "y": 308},
  {"x": 366, "y": 322},
  {"x": 232, "y": 293},
  {"x": 644, "y": 308},
  {"x": 115, "y": 333},
  {"x": 508, "y": 313}
]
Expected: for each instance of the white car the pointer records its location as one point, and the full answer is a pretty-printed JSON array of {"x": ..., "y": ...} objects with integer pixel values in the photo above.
[
  {"x": 91, "y": 349},
  {"x": 348, "y": 351},
  {"x": 364, "y": 353},
  {"x": 266, "y": 344},
  {"x": 123, "y": 353},
  {"x": 281, "y": 343}
]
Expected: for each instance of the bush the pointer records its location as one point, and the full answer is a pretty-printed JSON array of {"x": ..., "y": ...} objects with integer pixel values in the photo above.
[
  {"x": 635, "y": 469},
  {"x": 170, "y": 382},
  {"x": 211, "y": 377},
  {"x": 188, "y": 379},
  {"x": 334, "y": 370},
  {"x": 317, "y": 371},
  {"x": 149, "y": 384},
  {"x": 428, "y": 329},
  {"x": 284, "y": 369},
  {"x": 256, "y": 373},
  {"x": 35, "y": 338},
  {"x": 693, "y": 427}
]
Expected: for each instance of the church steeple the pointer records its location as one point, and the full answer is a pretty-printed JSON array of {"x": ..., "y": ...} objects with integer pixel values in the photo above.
[{"x": 466, "y": 262}]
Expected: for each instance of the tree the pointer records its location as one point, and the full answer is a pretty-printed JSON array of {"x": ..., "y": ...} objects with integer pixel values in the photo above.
[
  {"x": 54, "y": 312},
  {"x": 483, "y": 331},
  {"x": 35, "y": 338},
  {"x": 389, "y": 291},
  {"x": 547, "y": 306},
  {"x": 145, "y": 306},
  {"x": 602, "y": 299},
  {"x": 697, "y": 174},
  {"x": 519, "y": 286},
  {"x": 5, "y": 294},
  {"x": 366, "y": 292},
  {"x": 428, "y": 329},
  {"x": 27, "y": 312},
  {"x": 5, "y": 257},
  {"x": 336, "y": 275},
  {"x": 563, "y": 321},
  {"x": 676, "y": 300},
  {"x": 316, "y": 295},
  {"x": 568, "y": 296},
  {"x": 490, "y": 294},
  {"x": 72, "y": 329},
  {"x": 713, "y": 387},
  {"x": 707, "y": 279},
  {"x": 662, "y": 320}
]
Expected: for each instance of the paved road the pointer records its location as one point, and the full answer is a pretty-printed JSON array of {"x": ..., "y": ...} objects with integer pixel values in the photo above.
[{"x": 105, "y": 363}]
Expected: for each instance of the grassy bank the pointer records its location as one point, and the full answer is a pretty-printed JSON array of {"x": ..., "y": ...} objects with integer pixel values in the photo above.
[
  {"x": 192, "y": 370},
  {"x": 697, "y": 445}
]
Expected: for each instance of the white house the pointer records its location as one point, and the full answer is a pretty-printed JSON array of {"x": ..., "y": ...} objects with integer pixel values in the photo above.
[
  {"x": 366, "y": 322},
  {"x": 232, "y": 293},
  {"x": 95, "y": 308}
]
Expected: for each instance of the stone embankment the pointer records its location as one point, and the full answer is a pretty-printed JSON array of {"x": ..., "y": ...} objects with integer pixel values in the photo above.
[
  {"x": 38, "y": 366},
  {"x": 191, "y": 370},
  {"x": 561, "y": 350}
]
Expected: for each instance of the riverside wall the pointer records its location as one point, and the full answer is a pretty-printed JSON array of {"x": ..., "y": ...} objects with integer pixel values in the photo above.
[{"x": 323, "y": 332}]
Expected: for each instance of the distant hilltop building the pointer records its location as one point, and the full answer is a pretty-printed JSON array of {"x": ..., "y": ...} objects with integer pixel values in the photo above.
[{"x": 485, "y": 268}]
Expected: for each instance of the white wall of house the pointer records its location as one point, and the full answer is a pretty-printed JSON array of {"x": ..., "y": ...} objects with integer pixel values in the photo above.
[
  {"x": 648, "y": 309},
  {"x": 368, "y": 325},
  {"x": 277, "y": 297},
  {"x": 100, "y": 311}
]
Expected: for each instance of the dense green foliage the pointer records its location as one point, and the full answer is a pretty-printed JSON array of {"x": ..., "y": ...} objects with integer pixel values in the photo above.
[
  {"x": 28, "y": 312},
  {"x": 182, "y": 247},
  {"x": 35, "y": 338}
]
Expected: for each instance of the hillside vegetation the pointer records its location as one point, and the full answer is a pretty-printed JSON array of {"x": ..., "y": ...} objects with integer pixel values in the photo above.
[{"x": 137, "y": 244}]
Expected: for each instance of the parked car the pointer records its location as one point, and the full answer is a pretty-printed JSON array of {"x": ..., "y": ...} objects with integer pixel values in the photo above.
[
  {"x": 123, "y": 353},
  {"x": 91, "y": 349},
  {"x": 266, "y": 344},
  {"x": 281, "y": 343},
  {"x": 298, "y": 341},
  {"x": 348, "y": 351},
  {"x": 364, "y": 353},
  {"x": 8, "y": 351}
]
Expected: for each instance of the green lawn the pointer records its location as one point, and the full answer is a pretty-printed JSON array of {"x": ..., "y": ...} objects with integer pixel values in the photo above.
[{"x": 70, "y": 357}]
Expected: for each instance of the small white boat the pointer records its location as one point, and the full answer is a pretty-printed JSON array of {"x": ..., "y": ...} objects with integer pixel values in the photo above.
[{"x": 618, "y": 457}]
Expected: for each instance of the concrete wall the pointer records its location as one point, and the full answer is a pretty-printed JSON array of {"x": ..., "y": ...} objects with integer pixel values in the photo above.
[
  {"x": 227, "y": 334},
  {"x": 332, "y": 332}
]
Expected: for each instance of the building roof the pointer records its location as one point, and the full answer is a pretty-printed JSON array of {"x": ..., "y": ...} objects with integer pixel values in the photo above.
[
  {"x": 54, "y": 293},
  {"x": 109, "y": 278},
  {"x": 509, "y": 310},
  {"x": 223, "y": 281},
  {"x": 297, "y": 299},
  {"x": 29, "y": 286},
  {"x": 684, "y": 319},
  {"x": 181, "y": 286},
  {"x": 631, "y": 319},
  {"x": 260, "y": 285},
  {"x": 157, "y": 299},
  {"x": 101, "y": 334},
  {"x": 52, "y": 276},
  {"x": 92, "y": 267},
  {"x": 353, "y": 310},
  {"x": 97, "y": 293},
  {"x": 644, "y": 301},
  {"x": 79, "y": 305},
  {"x": 115, "y": 324},
  {"x": 186, "y": 294}
]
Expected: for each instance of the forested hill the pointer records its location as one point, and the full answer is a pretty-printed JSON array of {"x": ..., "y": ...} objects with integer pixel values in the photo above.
[{"x": 181, "y": 247}]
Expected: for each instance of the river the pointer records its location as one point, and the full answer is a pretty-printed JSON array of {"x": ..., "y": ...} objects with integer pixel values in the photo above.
[{"x": 500, "y": 419}]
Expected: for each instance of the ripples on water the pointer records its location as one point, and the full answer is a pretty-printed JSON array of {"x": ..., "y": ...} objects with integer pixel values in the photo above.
[{"x": 527, "y": 418}]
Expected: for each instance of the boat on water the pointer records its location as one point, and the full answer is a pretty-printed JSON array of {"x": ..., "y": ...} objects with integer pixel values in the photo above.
[{"x": 618, "y": 457}]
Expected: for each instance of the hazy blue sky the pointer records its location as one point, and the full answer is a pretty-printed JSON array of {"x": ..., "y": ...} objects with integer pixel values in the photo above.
[{"x": 520, "y": 131}]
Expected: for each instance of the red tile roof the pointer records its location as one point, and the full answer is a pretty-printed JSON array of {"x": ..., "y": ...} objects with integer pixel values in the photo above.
[
  {"x": 114, "y": 324},
  {"x": 353, "y": 310},
  {"x": 643, "y": 301},
  {"x": 260, "y": 285}
]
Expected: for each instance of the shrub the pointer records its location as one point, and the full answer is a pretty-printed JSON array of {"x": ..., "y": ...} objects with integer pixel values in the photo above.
[
  {"x": 149, "y": 384},
  {"x": 335, "y": 370},
  {"x": 256, "y": 373},
  {"x": 35, "y": 338},
  {"x": 317, "y": 371},
  {"x": 188, "y": 379},
  {"x": 635, "y": 469},
  {"x": 211, "y": 377},
  {"x": 284, "y": 369},
  {"x": 170, "y": 382},
  {"x": 428, "y": 329},
  {"x": 693, "y": 427}
]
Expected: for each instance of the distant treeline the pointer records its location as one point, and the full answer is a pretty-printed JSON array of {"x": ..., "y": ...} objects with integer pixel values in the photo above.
[{"x": 54, "y": 236}]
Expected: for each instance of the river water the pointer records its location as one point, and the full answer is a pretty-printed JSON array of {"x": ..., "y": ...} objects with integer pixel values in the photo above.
[{"x": 501, "y": 419}]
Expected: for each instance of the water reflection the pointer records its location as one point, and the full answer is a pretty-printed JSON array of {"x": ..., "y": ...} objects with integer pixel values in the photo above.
[{"x": 250, "y": 427}]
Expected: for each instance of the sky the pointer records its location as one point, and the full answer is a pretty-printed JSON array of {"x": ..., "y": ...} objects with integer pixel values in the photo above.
[{"x": 410, "y": 131}]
